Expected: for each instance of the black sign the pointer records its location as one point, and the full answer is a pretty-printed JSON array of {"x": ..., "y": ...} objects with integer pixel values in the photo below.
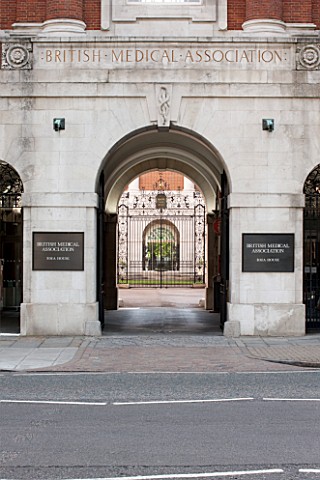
[
  {"x": 267, "y": 252},
  {"x": 58, "y": 251},
  {"x": 161, "y": 201}
]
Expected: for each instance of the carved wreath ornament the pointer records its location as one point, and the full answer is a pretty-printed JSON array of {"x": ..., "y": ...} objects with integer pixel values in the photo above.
[
  {"x": 309, "y": 57},
  {"x": 16, "y": 57}
]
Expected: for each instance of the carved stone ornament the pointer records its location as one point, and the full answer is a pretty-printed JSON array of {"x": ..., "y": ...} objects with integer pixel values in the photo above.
[
  {"x": 164, "y": 93},
  {"x": 16, "y": 57},
  {"x": 309, "y": 57}
]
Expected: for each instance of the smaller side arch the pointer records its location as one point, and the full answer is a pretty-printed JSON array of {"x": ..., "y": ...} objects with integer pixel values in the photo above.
[
  {"x": 161, "y": 246},
  {"x": 312, "y": 183},
  {"x": 11, "y": 248},
  {"x": 10, "y": 181},
  {"x": 311, "y": 250}
]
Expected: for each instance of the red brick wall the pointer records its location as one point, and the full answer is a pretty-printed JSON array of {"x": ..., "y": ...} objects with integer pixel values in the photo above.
[
  {"x": 65, "y": 9},
  {"x": 316, "y": 12},
  {"x": 12, "y": 11},
  {"x": 7, "y": 13},
  {"x": 264, "y": 9},
  {"x": 293, "y": 11},
  {"x": 236, "y": 14},
  {"x": 174, "y": 181},
  {"x": 92, "y": 16},
  {"x": 297, "y": 11},
  {"x": 30, "y": 11}
]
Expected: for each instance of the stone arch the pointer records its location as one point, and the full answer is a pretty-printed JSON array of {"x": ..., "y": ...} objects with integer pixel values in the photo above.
[{"x": 177, "y": 149}]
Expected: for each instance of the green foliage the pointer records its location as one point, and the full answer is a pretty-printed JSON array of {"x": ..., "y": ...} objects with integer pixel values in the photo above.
[{"x": 161, "y": 249}]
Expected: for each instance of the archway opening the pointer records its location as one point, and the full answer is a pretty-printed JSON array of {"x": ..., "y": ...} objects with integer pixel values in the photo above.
[
  {"x": 311, "y": 253},
  {"x": 161, "y": 253},
  {"x": 11, "y": 189}
]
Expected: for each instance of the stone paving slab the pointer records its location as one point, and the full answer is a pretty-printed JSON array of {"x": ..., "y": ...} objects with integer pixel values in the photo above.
[{"x": 22, "y": 358}]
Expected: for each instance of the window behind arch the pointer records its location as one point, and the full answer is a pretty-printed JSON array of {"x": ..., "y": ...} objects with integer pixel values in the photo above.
[
  {"x": 193, "y": 2},
  {"x": 204, "y": 12}
]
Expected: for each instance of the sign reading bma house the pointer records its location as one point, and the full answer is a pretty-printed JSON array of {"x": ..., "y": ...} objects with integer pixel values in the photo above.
[
  {"x": 267, "y": 252},
  {"x": 58, "y": 251}
]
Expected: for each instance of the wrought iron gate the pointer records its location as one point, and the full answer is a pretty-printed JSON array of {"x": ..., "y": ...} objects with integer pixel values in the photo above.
[
  {"x": 161, "y": 247},
  {"x": 10, "y": 249},
  {"x": 312, "y": 261}
]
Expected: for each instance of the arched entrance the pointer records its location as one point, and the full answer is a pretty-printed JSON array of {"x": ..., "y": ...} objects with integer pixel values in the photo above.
[
  {"x": 311, "y": 291},
  {"x": 176, "y": 150},
  {"x": 161, "y": 246},
  {"x": 11, "y": 189}
]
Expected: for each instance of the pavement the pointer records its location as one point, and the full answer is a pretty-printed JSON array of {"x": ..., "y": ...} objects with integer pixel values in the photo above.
[
  {"x": 158, "y": 352},
  {"x": 171, "y": 334}
]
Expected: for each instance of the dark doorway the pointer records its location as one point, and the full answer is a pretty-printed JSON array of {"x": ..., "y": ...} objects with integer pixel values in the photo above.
[
  {"x": 311, "y": 256},
  {"x": 10, "y": 249}
]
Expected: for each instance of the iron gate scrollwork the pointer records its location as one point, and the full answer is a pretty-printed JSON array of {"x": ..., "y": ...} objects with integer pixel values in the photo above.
[
  {"x": 161, "y": 241},
  {"x": 123, "y": 218},
  {"x": 199, "y": 243}
]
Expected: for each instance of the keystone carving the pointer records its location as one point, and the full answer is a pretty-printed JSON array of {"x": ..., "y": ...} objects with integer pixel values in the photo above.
[
  {"x": 308, "y": 57},
  {"x": 16, "y": 57}
]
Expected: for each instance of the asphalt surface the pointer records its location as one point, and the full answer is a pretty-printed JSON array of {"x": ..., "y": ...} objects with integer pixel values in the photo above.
[{"x": 105, "y": 425}]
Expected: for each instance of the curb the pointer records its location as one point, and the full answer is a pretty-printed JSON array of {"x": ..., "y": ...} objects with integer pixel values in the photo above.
[{"x": 295, "y": 363}]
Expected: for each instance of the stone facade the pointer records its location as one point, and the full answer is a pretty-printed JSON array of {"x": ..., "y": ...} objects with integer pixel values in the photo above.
[{"x": 140, "y": 89}]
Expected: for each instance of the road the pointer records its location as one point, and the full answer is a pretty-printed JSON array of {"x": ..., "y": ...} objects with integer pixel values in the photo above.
[{"x": 149, "y": 426}]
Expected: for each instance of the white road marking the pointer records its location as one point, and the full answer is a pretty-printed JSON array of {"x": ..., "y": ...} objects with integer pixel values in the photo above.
[
  {"x": 309, "y": 470},
  {"x": 190, "y": 475},
  {"x": 282, "y": 372},
  {"x": 157, "y": 402},
  {"x": 66, "y": 374},
  {"x": 291, "y": 399},
  {"x": 55, "y": 402},
  {"x": 160, "y": 402}
]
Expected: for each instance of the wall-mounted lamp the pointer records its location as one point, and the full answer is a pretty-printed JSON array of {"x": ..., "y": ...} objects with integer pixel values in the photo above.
[
  {"x": 59, "y": 124},
  {"x": 268, "y": 124}
]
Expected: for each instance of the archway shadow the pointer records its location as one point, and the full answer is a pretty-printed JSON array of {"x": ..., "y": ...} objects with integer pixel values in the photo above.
[
  {"x": 10, "y": 322},
  {"x": 172, "y": 311}
]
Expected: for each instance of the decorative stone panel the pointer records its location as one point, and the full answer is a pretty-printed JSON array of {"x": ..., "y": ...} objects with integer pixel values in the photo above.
[
  {"x": 16, "y": 56},
  {"x": 308, "y": 57}
]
